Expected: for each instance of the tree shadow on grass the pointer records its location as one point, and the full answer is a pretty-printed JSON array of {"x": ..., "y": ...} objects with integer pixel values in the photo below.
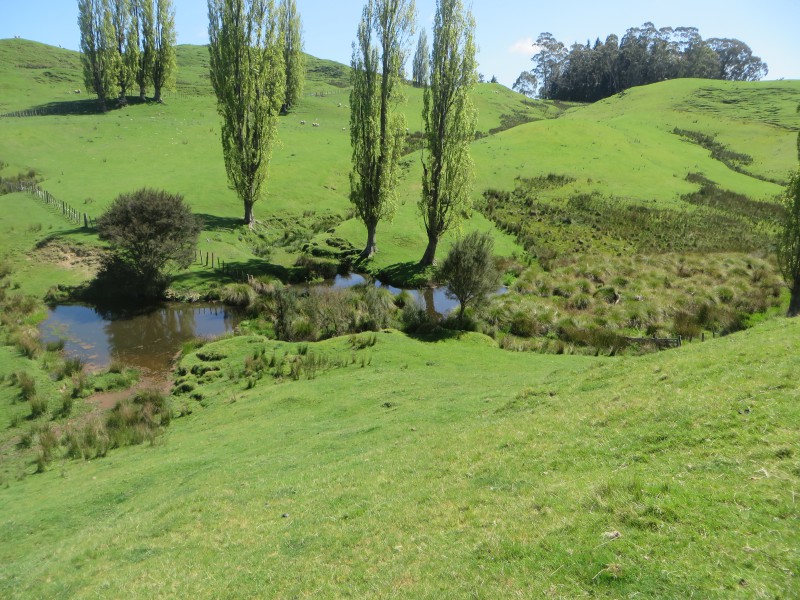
[
  {"x": 217, "y": 223},
  {"x": 439, "y": 334},
  {"x": 83, "y": 106},
  {"x": 406, "y": 275},
  {"x": 240, "y": 270}
]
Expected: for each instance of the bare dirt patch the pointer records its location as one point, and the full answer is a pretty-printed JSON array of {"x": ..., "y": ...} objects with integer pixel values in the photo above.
[{"x": 74, "y": 257}]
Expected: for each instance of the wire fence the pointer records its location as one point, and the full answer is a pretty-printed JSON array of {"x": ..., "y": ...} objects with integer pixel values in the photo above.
[{"x": 67, "y": 211}]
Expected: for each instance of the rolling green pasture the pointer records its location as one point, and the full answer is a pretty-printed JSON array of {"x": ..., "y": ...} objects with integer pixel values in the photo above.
[
  {"x": 88, "y": 159},
  {"x": 426, "y": 474},
  {"x": 399, "y": 466}
]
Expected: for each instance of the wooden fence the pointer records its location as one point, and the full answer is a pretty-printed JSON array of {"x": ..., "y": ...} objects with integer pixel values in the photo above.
[
  {"x": 208, "y": 259},
  {"x": 660, "y": 343},
  {"x": 68, "y": 212}
]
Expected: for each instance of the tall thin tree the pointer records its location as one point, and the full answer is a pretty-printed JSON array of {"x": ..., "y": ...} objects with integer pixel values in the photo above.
[
  {"x": 247, "y": 73},
  {"x": 120, "y": 11},
  {"x": 421, "y": 66},
  {"x": 98, "y": 55},
  {"x": 450, "y": 120},
  {"x": 142, "y": 13},
  {"x": 164, "y": 56},
  {"x": 293, "y": 57},
  {"x": 377, "y": 127}
]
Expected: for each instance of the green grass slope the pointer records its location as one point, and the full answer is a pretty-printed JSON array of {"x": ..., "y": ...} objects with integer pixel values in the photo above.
[
  {"x": 625, "y": 146},
  {"x": 426, "y": 474},
  {"x": 87, "y": 158}
]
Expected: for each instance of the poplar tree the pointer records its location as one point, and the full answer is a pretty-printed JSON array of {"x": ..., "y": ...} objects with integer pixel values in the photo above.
[
  {"x": 164, "y": 59},
  {"x": 142, "y": 13},
  {"x": 247, "y": 74},
  {"x": 377, "y": 127},
  {"x": 121, "y": 25},
  {"x": 293, "y": 57},
  {"x": 450, "y": 119},
  {"x": 98, "y": 56},
  {"x": 421, "y": 66}
]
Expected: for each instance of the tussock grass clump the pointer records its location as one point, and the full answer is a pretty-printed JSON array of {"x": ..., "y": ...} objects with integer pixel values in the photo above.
[
  {"x": 597, "y": 304},
  {"x": 26, "y": 383},
  {"x": 137, "y": 419},
  {"x": 238, "y": 294}
]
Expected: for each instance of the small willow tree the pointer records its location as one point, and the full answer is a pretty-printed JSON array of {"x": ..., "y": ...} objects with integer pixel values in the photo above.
[
  {"x": 377, "y": 127},
  {"x": 247, "y": 73},
  {"x": 788, "y": 247},
  {"x": 450, "y": 120},
  {"x": 293, "y": 57}
]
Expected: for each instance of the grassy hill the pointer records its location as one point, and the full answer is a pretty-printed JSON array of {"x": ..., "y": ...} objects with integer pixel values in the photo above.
[
  {"x": 442, "y": 465},
  {"x": 624, "y": 149},
  {"x": 420, "y": 475}
]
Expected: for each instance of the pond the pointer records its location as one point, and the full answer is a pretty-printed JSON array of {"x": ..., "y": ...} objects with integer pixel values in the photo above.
[
  {"x": 144, "y": 340},
  {"x": 148, "y": 340}
]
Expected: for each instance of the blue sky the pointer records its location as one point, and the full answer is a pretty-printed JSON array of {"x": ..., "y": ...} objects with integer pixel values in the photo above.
[{"x": 505, "y": 28}]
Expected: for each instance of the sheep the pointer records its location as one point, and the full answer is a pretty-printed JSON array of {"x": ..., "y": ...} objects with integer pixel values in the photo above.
[
  {"x": 302, "y": 122},
  {"x": 315, "y": 124},
  {"x": 77, "y": 91}
]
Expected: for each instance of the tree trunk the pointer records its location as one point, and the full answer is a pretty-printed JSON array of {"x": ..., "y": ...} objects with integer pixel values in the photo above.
[
  {"x": 371, "y": 248},
  {"x": 461, "y": 309},
  {"x": 794, "y": 300},
  {"x": 157, "y": 96},
  {"x": 249, "y": 220},
  {"x": 429, "y": 258},
  {"x": 142, "y": 93}
]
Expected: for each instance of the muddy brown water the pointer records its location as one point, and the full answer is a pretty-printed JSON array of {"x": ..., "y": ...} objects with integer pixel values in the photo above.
[{"x": 146, "y": 340}]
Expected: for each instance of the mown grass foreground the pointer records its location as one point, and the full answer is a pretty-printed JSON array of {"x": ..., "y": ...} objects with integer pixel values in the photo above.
[{"x": 425, "y": 473}]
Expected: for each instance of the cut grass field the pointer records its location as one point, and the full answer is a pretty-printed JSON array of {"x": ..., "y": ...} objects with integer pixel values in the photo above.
[{"x": 425, "y": 474}]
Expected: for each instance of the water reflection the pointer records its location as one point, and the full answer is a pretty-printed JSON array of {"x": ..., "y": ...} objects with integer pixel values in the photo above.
[
  {"x": 146, "y": 340},
  {"x": 435, "y": 300}
]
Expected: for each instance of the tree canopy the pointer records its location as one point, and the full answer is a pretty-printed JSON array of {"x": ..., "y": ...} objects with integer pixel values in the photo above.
[
  {"x": 592, "y": 71},
  {"x": 150, "y": 231}
]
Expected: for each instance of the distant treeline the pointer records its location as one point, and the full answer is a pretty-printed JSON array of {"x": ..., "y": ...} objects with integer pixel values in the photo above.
[{"x": 590, "y": 72}]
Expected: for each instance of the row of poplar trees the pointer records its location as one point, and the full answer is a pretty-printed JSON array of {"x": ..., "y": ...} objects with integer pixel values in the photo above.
[
  {"x": 377, "y": 126},
  {"x": 127, "y": 44},
  {"x": 257, "y": 72}
]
